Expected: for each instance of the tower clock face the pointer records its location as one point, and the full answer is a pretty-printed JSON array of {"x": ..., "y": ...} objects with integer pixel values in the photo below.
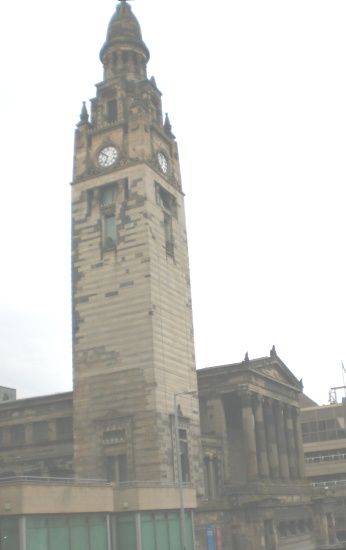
[
  {"x": 108, "y": 156},
  {"x": 161, "y": 159}
]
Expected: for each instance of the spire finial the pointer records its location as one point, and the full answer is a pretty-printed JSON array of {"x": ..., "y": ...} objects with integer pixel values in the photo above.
[
  {"x": 167, "y": 126},
  {"x": 273, "y": 352},
  {"x": 84, "y": 116}
]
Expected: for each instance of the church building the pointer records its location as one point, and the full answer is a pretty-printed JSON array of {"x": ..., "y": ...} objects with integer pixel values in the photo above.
[{"x": 97, "y": 468}]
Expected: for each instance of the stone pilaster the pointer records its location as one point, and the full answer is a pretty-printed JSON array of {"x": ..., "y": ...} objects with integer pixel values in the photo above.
[
  {"x": 273, "y": 456},
  {"x": 249, "y": 436},
  {"x": 261, "y": 442},
  {"x": 320, "y": 526},
  {"x": 211, "y": 478},
  {"x": 331, "y": 528}
]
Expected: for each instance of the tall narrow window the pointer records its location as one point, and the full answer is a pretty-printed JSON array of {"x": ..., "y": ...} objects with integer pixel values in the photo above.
[
  {"x": 184, "y": 457},
  {"x": 108, "y": 196},
  {"x": 167, "y": 221},
  {"x": 112, "y": 111},
  {"x": 111, "y": 468},
  {"x": 117, "y": 468},
  {"x": 122, "y": 462},
  {"x": 215, "y": 477},
  {"x": 166, "y": 200},
  {"x": 110, "y": 231}
]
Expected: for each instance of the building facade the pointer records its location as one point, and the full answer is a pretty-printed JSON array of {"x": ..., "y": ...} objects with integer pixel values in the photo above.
[
  {"x": 254, "y": 461},
  {"x": 324, "y": 438},
  {"x": 97, "y": 468}
]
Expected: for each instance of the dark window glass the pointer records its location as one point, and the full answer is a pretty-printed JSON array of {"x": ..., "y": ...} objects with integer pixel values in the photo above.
[
  {"x": 17, "y": 433},
  {"x": 185, "y": 468},
  {"x": 122, "y": 468},
  {"x": 168, "y": 234},
  {"x": 112, "y": 111},
  {"x": 206, "y": 476},
  {"x": 64, "y": 426},
  {"x": 116, "y": 468},
  {"x": 216, "y": 476},
  {"x": 108, "y": 195},
  {"x": 110, "y": 231},
  {"x": 40, "y": 431}
]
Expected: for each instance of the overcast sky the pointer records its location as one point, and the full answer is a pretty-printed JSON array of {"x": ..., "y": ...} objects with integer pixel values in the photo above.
[{"x": 256, "y": 94}]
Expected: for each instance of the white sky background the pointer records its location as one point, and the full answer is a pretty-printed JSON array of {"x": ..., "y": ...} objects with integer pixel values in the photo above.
[{"x": 256, "y": 94}]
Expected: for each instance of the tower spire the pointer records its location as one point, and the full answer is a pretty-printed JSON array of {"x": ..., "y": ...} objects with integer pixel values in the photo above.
[{"x": 124, "y": 53}]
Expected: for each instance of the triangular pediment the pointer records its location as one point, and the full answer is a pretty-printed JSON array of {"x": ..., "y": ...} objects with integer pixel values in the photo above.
[{"x": 275, "y": 369}]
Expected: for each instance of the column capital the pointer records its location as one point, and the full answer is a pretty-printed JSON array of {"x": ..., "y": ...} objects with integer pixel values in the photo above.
[
  {"x": 295, "y": 411},
  {"x": 258, "y": 397},
  {"x": 244, "y": 392},
  {"x": 287, "y": 406},
  {"x": 268, "y": 400},
  {"x": 257, "y": 401},
  {"x": 278, "y": 404}
]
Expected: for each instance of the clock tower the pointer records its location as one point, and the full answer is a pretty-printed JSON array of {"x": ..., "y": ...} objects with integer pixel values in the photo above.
[{"x": 133, "y": 345}]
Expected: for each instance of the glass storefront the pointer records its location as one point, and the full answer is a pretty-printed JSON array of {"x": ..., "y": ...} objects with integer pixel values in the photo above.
[{"x": 158, "y": 531}]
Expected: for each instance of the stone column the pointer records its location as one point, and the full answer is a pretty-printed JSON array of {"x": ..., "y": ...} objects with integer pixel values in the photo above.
[
  {"x": 211, "y": 478},
  {"x": 297, "y": 429},
  {"x": 291, "y": 448},
  {"x": 273, "y": 456},
  {"x": 261, "y": 442},
  {"x": 320, "y": 526},
  {"x": 249, "y": 436},
  {"x": 281, "y": 440}
]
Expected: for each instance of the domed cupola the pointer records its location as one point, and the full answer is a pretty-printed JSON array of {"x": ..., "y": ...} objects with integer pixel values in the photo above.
[{"x": 124, "y": 52}]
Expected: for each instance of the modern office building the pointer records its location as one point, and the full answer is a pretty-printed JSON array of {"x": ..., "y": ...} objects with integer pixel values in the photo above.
[{"x": 324, "y": 438}]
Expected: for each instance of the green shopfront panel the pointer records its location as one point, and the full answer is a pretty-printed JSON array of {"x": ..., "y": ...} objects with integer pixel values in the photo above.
[
  {"x": 74, "y": 532},
  {"x": 59, "y": 532},
  {"x": 9, "y": 534},
  {"x": 161, "y": 531},
  {"x": 126, "y": 532},
  {"x": 37, "y": 533}
]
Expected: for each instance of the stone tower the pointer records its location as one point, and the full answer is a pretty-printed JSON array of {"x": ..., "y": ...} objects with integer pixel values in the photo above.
[{"x": 133, "y": 335}]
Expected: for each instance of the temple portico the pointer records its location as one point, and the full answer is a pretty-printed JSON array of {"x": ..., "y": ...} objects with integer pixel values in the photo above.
[
  {"x": 253, "y": 457},
  {"x": 259, "y": 402}
]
